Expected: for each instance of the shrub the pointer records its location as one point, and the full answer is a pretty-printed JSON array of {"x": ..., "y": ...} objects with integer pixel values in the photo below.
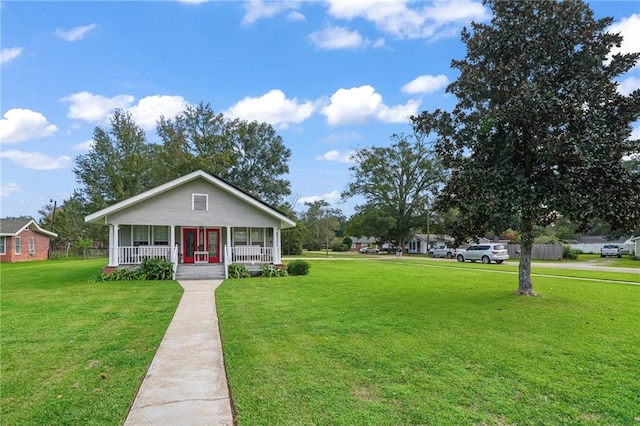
[
  {"x": 128, "y": 274},
  {"x": 150, "y": 269},
  {"x": 156, "y": 269},
  {"x": 298, "y": 267},
  {"x": 237, "y": 270},
  {"x": 273, "y": 271},
  {"x": 569, "y": 253}
]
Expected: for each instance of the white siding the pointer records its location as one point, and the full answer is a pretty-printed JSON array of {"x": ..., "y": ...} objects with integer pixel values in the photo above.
[{"x": 174, "y": 207}]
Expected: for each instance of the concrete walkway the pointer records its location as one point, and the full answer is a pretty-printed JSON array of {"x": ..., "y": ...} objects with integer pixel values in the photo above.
[{"x": 186, "y": 383}]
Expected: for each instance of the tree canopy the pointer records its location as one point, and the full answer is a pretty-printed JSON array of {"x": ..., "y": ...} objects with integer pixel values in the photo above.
[
  {"x": 539, "y": 129},
  {"x": 396, "y": 183},
  {"x": 122, "y": 163}
]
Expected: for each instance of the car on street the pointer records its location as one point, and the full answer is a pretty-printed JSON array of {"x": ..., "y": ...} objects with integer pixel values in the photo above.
[
  {"x": 373, "y": 250},
  {"x": 486, "y": 253},
  {"x": 442, "y": 250},
  {"x": 611, "y": 250}
]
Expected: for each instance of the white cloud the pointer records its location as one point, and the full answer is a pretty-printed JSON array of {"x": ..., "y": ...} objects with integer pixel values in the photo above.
[
  {"x": 628, "y": 28},
  {"x": 296, "y": 16},
  {"x": 258, "y": 9},
  {"x": 9, "y": 188},
  {"x": 84, "y": 146},
  {"x": 95, "y": 108},
  {"x": 332, "y": 38},
  {"x": 425, "y": 84},
  {"x": 397, "y": 18},
  {"x": 36, "y": 160},
  {"x": 148, "y": 110},
  {"x": 629, "y": 85},
  {"x": 9, "y": 54},
  {"x": 340, "y": 157},
  {"x": 272, "y": 107},
  {"x": 360, "y": 104},
  {"x": 22, "y": 124},
  {"x": 332, "y": 198},
  {"x": 76, "y": 33}
]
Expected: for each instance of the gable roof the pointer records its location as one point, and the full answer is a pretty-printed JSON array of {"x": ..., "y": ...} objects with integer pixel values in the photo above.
[
  {"x": 98, "y": 216},
  {"x": 11, "y": 227}
]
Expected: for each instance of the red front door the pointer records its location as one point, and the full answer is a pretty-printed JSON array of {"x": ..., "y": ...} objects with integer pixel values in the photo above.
[
  {"x": 213, "y": 245},
  {"x": 189, "y": 244}
]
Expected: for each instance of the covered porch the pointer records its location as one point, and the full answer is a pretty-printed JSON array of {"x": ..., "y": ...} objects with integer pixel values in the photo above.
[{"x": 198, "y": 245}]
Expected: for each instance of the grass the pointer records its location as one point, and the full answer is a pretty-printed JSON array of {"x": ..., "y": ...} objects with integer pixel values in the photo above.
[
  {"x": 73, "y": 352},
  {"x": 625, "y": 261},
  {"x": 385, "y": 342}
]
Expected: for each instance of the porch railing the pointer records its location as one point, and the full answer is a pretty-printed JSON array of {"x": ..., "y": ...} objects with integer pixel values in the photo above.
[
  {"x": 135, "y": 255},
  {"x": 251, "y": 254}
]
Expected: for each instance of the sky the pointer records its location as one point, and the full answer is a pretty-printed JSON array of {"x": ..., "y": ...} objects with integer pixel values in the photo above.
[{"x": 330, "y": 76}]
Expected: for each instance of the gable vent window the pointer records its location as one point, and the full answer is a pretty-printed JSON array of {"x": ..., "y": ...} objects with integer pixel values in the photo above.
[{"x": 200, "y": 202}]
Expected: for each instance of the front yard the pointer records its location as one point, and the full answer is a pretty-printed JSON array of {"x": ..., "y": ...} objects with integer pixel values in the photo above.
[
  {"x": 360, "y": 341},
  {"x": 386, "y": 342},
  {"x": 75, "y": 352}
]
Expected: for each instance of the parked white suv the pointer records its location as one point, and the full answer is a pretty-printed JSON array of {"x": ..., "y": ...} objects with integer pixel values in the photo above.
[
  {"x": 611, "y": 250},
  {"x": 486, "y": 253}
]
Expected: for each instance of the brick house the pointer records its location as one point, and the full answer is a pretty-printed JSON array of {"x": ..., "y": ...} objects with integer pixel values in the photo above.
[{"x": 22, "y": 240}]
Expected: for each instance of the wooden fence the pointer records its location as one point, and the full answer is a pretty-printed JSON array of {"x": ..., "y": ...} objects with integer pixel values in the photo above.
[{"x": 538, "y": 252}]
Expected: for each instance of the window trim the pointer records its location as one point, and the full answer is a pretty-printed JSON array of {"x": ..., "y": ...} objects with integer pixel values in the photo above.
[
  {"x": 17, "y": 246},
  {"x": 193, "y": 202},
  {"x": 3, "y": 249},
  {"x": 32, "y": 245}
]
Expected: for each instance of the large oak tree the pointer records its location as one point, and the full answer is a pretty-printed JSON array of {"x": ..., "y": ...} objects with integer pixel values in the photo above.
[
  {"x": 539, "y": 129},
  {"x": 396, "y": 183}
]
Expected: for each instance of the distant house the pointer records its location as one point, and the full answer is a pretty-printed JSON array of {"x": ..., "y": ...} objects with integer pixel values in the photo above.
[
  {"x": 22, "y": 240},
  {"x": 636, "y": 246},
  {"x": 195, "y": 219},
  {"x": 420, "y": 243},
  {"x": 359, "y": 242}
]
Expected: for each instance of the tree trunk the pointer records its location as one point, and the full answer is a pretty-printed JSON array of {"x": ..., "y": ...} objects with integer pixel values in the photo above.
[{"x": 525, "y": 285}]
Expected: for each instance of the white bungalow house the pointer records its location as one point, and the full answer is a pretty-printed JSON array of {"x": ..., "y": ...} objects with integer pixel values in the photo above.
[{"x": 195, "y": 219}]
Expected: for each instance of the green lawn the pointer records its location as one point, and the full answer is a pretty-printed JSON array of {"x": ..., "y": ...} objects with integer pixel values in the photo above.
[
  {"x": 75, "y": 353},
  {"x": 399, "y": 342}
]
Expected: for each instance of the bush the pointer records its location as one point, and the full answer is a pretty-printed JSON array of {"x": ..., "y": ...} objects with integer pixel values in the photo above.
[
  {"x": 273, "y": 271},
  {"x": 156, "y": 269},
  {"x": 237, "y": 270},
  {"x": 569, "y": 253},
  {"x": 298, "y": 267},
  {"x": 150, "y": 269}
]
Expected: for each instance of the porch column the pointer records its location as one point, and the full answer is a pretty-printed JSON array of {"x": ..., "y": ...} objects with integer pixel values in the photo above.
[
  {"x": 172, "y": 236},
  {"x": 276, "y": 247},
  {"x": 113, "y": 245},
  {"x": 229, "y": 246}
]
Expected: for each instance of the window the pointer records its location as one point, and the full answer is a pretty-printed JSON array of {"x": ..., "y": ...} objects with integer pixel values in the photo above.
[
  {"x": 18, "y": 245},
  {"x": 32, "y": 245},
  {"x": 160, "y": 235},
  {"x": 257, "y": 236},
  {"x": 200, "y": 202},
  {"x": 239, "y": 236},
  {"x": 140, "y": 235},
  {"x": 3, "y": 245}
]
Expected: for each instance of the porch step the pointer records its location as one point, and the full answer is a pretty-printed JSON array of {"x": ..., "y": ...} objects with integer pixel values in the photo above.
[{"x": 189, "y": 272}]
